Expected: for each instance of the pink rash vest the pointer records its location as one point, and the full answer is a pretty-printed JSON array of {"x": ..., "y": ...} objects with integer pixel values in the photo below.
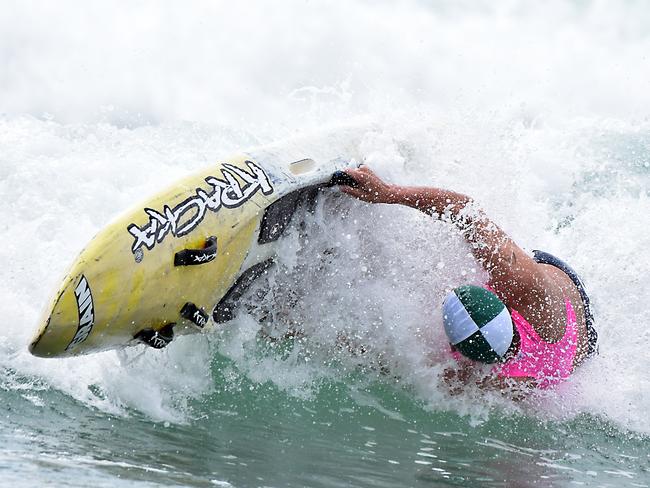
[{"x": 548, "y": 363}]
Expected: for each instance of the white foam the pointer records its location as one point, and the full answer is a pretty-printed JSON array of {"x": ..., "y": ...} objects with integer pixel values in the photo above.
[{"x": 535, "y": 110}]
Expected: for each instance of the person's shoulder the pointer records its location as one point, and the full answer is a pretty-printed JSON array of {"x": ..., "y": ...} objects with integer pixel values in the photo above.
[{"x": 518, "y": 278}]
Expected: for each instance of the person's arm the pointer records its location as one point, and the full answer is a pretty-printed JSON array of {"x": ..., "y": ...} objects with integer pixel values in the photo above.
[{"x": 514, "y": 275}]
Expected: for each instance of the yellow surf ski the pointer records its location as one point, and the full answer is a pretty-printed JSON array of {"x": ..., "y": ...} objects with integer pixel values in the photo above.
[{"x": 180, "y": 259}]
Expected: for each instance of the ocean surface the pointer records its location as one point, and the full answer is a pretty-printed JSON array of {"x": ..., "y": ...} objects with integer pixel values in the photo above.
[{"x": 539, "y": 110}]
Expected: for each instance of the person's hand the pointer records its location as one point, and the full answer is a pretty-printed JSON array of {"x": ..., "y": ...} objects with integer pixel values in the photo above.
[{"x": 371, "y": 188}]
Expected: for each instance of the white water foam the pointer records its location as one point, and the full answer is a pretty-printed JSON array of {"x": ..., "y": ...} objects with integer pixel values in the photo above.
[{"x": 536, "y": 111}]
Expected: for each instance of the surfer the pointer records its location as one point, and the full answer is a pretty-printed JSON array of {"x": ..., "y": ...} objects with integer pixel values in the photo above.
[{"x": 531, "y": 322}]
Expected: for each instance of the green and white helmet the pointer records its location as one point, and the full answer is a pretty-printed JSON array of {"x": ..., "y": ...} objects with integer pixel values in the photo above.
[{"x": 477, "y": 323}]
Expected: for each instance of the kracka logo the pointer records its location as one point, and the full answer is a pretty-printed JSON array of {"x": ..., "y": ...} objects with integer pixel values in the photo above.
[{"x": 184, "y": 217}]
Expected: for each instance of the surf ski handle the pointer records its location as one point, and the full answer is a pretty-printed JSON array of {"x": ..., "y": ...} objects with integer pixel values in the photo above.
[{"x": 341, "y": 178}]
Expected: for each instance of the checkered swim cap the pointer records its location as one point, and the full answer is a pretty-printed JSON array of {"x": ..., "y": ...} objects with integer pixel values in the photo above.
[{"x": 477, "y": 323}]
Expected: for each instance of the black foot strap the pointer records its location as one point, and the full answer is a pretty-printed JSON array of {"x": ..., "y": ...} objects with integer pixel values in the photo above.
[
  {"x": 195, "y": 315},
  {"x": 193, "y": 257},
  {"x": 156, "y": 338}
]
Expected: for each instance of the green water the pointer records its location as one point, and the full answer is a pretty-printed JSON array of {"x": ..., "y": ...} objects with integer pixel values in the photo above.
[{"x": 248, "y": 435}]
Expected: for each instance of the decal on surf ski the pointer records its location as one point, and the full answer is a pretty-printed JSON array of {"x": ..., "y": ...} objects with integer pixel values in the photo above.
[
  {"x": 86, "y": 311},
  {"x": 180, "y": 220}
]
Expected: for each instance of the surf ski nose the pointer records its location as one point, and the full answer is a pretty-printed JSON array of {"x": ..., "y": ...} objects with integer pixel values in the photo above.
[{"x": 68, "y": 318}]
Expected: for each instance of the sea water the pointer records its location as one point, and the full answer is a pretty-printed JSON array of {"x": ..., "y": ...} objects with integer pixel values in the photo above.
[{"x": 539, "y": 111}]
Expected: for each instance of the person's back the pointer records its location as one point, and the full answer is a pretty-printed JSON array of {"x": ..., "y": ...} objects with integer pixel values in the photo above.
[{"x": 543, "y": 304}]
